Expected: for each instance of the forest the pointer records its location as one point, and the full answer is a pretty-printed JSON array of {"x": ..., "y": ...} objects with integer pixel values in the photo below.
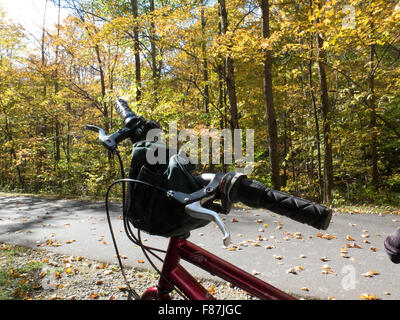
[{"x": 317, "y": 80}]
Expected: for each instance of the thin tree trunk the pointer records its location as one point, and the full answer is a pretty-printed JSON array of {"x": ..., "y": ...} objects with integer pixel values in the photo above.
[
  {"x": 230, "y": 72},
  {"x": 269, "y": 101},
  {"x": 317, "y": 129},
  {"x": 43, "y": 48},
  {"x": 12, "y": 149},
  {"x": 57, "y": 141},
  {"x": 374, "y": 155},
  {"x": 206, "y": 99},
  {"x": 134, "y": 5},
  {"x": 325, "y": 108}
]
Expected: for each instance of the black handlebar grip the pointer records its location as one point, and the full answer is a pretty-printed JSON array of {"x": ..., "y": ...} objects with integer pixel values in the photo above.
[
  {"x": 128, "y": 117},
  {"x": 254, "y": 194}
]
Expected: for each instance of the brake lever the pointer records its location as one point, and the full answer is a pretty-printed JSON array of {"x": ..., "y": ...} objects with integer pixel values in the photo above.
[
  {"x": 195, "y": 210},
  {"x": 107, "y": 141}
]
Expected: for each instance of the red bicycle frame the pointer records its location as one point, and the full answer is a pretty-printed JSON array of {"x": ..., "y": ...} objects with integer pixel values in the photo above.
[{"x": 174, "y": 274}]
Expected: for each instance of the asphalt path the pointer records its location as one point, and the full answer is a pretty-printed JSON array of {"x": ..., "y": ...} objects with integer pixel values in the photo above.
[{"x": 343, "y": 262}]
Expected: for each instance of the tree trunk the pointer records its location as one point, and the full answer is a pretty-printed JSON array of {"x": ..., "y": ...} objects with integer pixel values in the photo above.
[
  {"x": 269, "y": 101},
  {"x": 317, "y": 129},
  {"x": 134, "y": 5},
  {"x": 206, "y": 99},
  {"x": 230, "y": 72},
  {"x": 57, "y": 140},
  {"x": 371, "y": 102},
  {"x": 325, "y": 108}
]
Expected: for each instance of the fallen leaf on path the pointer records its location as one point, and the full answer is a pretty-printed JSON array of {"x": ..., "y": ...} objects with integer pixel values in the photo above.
[
  {"x": 353, "y": 245},
  {"x": 326, "y": 236},
  {"x": 367, "y": 296},
  {"x": 327, "y": 270},
  {"x": 94, "y": 295},
  {"x": 211, "y": 289},
  {"x": 348, "y": 238},
  {"x": 292, "y": 271},
  {"x": 370, "y": 274}
]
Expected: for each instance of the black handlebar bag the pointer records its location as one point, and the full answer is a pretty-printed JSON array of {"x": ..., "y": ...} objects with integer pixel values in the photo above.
[{"x": 148, "y": 208}]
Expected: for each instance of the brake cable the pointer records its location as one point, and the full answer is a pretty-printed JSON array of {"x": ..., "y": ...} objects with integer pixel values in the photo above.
[{"x": 129, "y": 232}]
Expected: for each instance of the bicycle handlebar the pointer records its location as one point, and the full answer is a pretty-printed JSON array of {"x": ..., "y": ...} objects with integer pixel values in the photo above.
[
  {"x": 233, "y": 187},
  {"x": 256, "y": 195},
  {"x": 129, "y": 118}
]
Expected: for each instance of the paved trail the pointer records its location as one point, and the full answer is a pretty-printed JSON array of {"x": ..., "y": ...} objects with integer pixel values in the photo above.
[{"x": 80, "y": 228}]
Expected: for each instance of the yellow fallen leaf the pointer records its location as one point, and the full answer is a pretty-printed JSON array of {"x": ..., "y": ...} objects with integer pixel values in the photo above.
[
  {"x": 327, "y": 270},
  {"x": 367, "y": 296},
  {"x": 370, "y": 274},
  {"x": 94, "y": 295},
  {"x": 348, "y": 238},
  {"x": 211, "y": 289},
  {"x": 140, "y": 261}
]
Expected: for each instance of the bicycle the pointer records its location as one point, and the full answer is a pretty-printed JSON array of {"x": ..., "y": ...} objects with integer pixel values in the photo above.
[{"x": 229, "y": 188}]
